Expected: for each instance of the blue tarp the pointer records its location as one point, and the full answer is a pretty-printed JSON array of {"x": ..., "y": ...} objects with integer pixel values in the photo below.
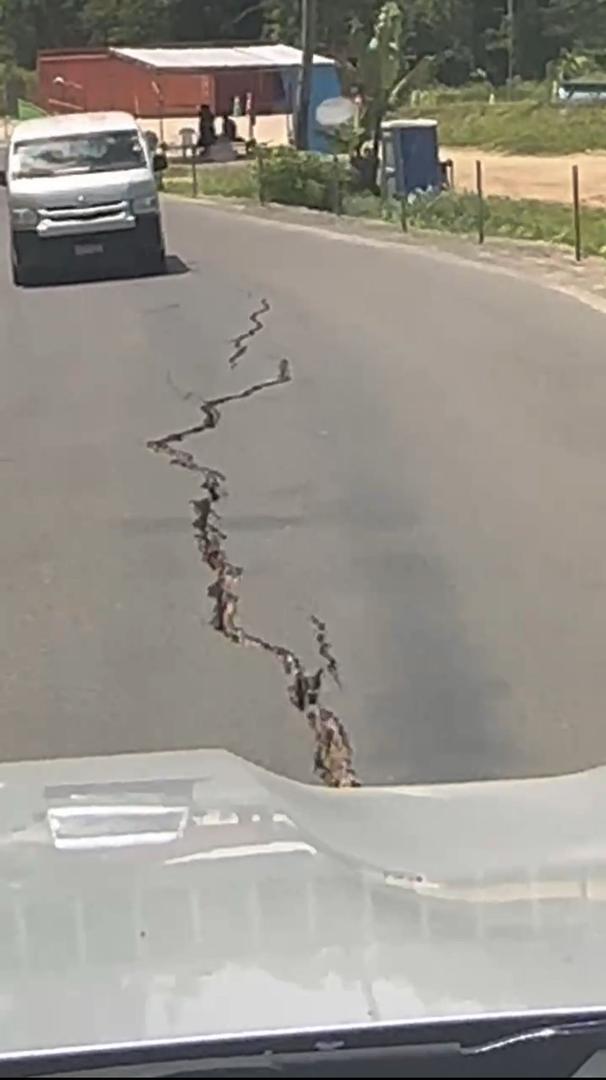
[{"x": 325, "y": 84}]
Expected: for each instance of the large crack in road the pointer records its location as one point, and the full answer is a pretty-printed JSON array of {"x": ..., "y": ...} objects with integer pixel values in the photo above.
[
  {"x": 242, "y": 341},
  {"x": 333, "y": 751}
]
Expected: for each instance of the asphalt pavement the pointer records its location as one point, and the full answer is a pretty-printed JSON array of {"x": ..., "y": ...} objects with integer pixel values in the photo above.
[{"x": 430, "y": 484}]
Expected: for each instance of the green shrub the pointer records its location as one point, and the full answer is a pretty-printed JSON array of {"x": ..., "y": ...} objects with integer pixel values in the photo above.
[
  {"x": 302, "y": 179},
  {"x": 23, "y": 83}
]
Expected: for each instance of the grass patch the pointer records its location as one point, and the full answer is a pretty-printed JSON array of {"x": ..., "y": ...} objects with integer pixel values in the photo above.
[
  {"x": 519, "y": 127},
  {"x": 521, "y": 90},
  {"x": 519, "y": 219},
  {"x": 236, "y": 181}
]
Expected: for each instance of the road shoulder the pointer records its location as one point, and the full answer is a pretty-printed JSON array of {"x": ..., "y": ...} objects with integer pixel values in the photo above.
[{"x": 550, "y": 265}]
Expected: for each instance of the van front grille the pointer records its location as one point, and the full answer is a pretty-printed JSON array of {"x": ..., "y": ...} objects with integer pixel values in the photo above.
[{"x": 72, "y": 213}]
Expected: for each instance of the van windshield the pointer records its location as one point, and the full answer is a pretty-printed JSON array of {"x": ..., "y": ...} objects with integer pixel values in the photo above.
[{"x": 66, "y": 155}]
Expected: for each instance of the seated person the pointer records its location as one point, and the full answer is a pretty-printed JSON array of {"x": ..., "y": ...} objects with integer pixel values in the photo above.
[{"x": 229, "y": 129}]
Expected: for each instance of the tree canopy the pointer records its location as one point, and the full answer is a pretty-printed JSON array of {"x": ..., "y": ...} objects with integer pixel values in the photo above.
[{"x": 464, "y": 35}]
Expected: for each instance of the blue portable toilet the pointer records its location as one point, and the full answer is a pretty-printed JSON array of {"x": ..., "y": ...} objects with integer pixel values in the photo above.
[{"x": 410, "y": 154}]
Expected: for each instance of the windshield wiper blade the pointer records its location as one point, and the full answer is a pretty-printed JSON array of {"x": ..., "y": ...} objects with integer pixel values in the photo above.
[
  {"x": 32, "y": 174},
  {"x": 534, "y": 1035}
]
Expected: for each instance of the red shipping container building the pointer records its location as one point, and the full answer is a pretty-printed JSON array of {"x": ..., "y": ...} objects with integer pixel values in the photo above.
[{"x": 168, "y": 82}]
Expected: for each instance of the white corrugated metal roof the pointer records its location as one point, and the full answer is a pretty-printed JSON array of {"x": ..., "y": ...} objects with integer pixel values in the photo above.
[{"x": 278, "y": 56}]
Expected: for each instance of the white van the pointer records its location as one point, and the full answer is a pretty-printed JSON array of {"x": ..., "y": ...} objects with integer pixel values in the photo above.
[{"x": 81, "y": 191}]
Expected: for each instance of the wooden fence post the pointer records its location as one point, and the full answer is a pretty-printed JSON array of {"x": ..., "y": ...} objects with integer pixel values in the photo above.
[
  {"x": 194, "y": 173},
  {"x": 261, "y": 174},
  {"x": 336, "y": 186},
  {"x": 480, "y": 193},
  {"x": 576, "y": 213}
]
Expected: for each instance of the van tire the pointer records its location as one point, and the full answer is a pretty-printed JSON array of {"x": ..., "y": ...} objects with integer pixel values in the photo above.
[
  {"x": 21, "y": 276},
  {"x": 160, "y": 262},
  {"x": 153, "y": 263},
  {"x": 24, "y": 278}
]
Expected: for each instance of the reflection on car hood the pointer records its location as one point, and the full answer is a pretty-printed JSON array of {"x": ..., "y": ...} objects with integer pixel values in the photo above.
[
  {"x": 63, "y": 190},
  {"x": 179, "y": 895}
]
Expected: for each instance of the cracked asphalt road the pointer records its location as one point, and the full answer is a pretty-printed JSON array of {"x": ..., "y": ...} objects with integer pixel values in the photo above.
[{"x": 430, "y": 484}]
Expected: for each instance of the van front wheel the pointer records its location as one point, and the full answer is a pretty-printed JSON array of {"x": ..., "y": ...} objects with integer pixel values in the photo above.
[
  {"x": 21, "y": 275},
  {"x": 158, "y": 261},
  {"x": 152, "y": 262}
]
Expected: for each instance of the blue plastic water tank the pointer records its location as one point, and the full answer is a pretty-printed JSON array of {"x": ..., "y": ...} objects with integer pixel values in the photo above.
[{"x": 411, "y": 153}]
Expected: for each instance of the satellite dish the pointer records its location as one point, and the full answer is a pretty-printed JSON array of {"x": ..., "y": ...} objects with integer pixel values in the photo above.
[{"x": 334, "y": 112}]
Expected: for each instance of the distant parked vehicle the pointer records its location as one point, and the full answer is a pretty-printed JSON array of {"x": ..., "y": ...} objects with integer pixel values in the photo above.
[{"x": 582, "y": 92}]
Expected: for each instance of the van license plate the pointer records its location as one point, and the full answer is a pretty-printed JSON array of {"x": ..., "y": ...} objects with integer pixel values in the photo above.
[{"x": 88, "y": 249}]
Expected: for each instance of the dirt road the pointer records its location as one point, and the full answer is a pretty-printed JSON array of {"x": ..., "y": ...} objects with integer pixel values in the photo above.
[{"x": 530, "y": 177}]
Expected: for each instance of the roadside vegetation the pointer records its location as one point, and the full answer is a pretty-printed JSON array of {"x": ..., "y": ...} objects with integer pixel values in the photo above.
[
  {"x": 282, "y": 175},
  {"x": 517, "y": 127},
  {"x": 15, "y": 83},
  {"x": 237, "y": 180},
  {"x": 517, "y": 219},
  {"x": 306, "y": 180}
]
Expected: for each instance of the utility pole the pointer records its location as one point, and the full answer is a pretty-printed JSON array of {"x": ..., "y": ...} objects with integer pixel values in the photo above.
[
  {"x": 308, "y": 40},
  {"x": 510, "y": 43}
]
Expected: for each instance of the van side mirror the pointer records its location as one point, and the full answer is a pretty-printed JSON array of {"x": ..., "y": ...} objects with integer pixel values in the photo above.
[
  {"x": 160, "y": 161},
  {"x": 2, "y": 177}
]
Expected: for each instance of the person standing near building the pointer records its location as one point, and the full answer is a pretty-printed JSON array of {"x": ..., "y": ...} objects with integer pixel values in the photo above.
[{"x": 207, "y": 135}]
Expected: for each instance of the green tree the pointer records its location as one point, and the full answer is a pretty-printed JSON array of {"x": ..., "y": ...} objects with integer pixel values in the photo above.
[
  {"x": 217, "y": 20},
  {"x": 337, "y": 20},
  {"x": 469, "y": 34},
  {"x": 532, "y": 46},
  {"x": 462, "y": 34},
  {"x": 441, "y": 28},
  {"x": 384, "y": 79},
  {"x": 575, "y": 24},
  {"x": 133, "y": 22},
  {"x": 29, "y": 25}
]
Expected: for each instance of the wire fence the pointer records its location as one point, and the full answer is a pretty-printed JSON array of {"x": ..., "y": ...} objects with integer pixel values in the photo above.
[{"x": 328, "y": 184}]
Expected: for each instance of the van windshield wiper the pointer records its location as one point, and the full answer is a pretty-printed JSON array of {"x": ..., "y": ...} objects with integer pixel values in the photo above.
[
  {"x": 67, "y": 170},
  {"x": 32, "y": 174}
]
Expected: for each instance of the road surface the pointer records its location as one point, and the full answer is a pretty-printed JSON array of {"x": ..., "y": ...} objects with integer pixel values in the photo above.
[{"x": 431, "y": 484}]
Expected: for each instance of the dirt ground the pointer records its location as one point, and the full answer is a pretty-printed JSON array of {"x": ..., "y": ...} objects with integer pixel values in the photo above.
[{"x": 530, "y": 177}]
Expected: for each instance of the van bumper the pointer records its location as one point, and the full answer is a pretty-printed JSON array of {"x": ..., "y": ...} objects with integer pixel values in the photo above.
[{"x": 127, "y": 248}]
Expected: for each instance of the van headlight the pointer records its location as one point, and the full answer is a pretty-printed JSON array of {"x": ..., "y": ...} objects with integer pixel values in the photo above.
[
  {"x": 145, "y": 204},
  {"x": 23, "y": 217}
]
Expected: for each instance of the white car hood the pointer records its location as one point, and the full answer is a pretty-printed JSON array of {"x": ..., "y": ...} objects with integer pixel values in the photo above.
[
  {"x": 175, "y": 896},
  {"x": 54, "y": 192}
]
